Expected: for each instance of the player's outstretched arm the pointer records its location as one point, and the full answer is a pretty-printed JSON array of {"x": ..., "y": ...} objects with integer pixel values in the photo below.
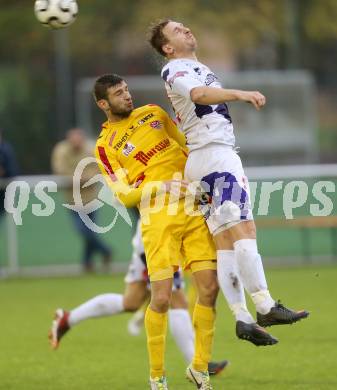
[{"x": 210, "y": 95}]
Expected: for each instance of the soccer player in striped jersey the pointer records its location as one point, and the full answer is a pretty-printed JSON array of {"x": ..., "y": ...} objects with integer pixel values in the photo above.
[{"x": 199, "y": 102}]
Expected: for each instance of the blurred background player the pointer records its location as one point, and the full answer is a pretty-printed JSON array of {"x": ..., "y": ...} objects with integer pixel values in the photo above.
[
  {"x": 199, "y": 103},
  {"x": 137, "y": 292},
  {"x": 65, "y": 158}
]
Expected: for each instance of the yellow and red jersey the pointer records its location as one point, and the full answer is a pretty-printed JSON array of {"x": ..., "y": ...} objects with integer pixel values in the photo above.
[{"x": 145, "y": 147}]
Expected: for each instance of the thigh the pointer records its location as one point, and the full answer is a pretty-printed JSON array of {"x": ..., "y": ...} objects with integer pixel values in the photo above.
[
  {"x": 204, "y": 278},
  {"x": 134, "y": 295},
  {"x": 201, "y": 162},
  {"x": 243, "y": 230},
  {"x": 162, "y": 244},
  {"x": 223, "y": 240},
  {"x": 162, "y": 287},
  {"x": 229, "y": 194},
  {"x": 197, "y": 243}
]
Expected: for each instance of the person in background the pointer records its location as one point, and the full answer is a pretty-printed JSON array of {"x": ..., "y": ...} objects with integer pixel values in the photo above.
[
  {"x": 8, "y": 168},
  {"x": 65, "y": 157}
]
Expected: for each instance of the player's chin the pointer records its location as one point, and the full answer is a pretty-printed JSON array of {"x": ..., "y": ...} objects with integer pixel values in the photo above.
[
  {"x": 193, "y": 44},
  {"x": 127, "y": 111},
  {"x": 130, "y": 108}
]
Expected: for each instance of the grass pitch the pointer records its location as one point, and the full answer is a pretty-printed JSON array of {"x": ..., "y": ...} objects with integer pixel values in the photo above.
[{"x": 99, "y": 354}]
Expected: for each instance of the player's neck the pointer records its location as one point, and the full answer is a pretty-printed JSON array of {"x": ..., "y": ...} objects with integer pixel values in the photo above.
[
  {"x": 113, "y": 118},
  {"x": 184, "y": 55}
]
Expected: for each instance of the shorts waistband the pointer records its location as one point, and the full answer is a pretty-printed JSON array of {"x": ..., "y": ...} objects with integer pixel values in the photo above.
[{"x": 217, "y": 145}]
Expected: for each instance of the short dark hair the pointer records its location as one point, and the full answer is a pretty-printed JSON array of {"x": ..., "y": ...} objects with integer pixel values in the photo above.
[
  {"x": 103, "y": 83},
  {"x": 156, "y": 36}
]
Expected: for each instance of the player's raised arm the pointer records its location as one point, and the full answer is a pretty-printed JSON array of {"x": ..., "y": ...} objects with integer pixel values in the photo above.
[
  {"x": 209, "y": 95},
  {"x": 184, "y": 82}
]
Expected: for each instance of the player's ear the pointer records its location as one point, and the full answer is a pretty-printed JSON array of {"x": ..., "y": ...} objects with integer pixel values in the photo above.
[
  {"x": 168, "y": 49},
  {"x": 102, "y": 104}
]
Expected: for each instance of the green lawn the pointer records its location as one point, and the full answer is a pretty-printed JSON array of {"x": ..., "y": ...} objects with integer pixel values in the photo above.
[{"x": 99, "y": 354}]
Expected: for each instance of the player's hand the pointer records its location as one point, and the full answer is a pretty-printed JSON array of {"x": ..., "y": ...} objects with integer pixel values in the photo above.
[
  {"x": 176, "y": 187},
  {"x": 255, "y": 98}
]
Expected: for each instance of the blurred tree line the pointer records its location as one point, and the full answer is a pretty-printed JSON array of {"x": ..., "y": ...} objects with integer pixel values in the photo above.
[{"x": 111, "y": 36}]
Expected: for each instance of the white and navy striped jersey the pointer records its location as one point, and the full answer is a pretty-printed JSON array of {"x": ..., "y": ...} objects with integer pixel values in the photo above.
[{"x": 201, "y": 124}]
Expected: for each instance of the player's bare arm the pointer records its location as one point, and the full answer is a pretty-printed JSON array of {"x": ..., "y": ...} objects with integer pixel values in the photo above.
[{"x": 209, "y": 95}]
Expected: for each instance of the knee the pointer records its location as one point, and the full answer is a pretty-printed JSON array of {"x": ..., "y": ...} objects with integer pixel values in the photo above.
[{"x": 161, "y": 302}]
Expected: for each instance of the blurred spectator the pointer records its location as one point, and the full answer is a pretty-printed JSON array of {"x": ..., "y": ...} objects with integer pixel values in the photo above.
[
  {"x": 8, "y": 168},
  {"x": 65, "y": 157}
]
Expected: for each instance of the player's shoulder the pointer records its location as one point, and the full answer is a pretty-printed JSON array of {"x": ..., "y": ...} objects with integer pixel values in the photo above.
[
  {"x": 101, "y": 139},
  {"x": 62, "y": 147},
  {"x": 104, "y": 127},
  {"x": 148, "y": 110},
  {"x": 175, "y": 66}
]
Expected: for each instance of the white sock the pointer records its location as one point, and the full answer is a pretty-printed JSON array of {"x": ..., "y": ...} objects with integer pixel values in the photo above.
[
  {"x": 182, "y": 331},
  {"x": 100, "y": 306},
  {"x": 252, "y": 274},
  {"x": 231, "y": 285}
]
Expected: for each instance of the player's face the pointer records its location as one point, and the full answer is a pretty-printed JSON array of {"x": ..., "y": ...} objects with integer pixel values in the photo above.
[
  {"x": 76, "y": 138},
  {"x": 119, "y": 100},
  {"x": 180, "y": 39}
]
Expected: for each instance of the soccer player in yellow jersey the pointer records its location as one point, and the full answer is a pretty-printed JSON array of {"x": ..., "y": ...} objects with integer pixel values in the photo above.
[{"x": 137, "y": 147}]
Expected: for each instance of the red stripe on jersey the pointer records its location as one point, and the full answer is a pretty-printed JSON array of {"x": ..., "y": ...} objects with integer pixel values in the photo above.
[
  {"x": 113, "y": 135},
  {"x": 139, "y": 180},
  {"x": 107, "y": 166}
]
